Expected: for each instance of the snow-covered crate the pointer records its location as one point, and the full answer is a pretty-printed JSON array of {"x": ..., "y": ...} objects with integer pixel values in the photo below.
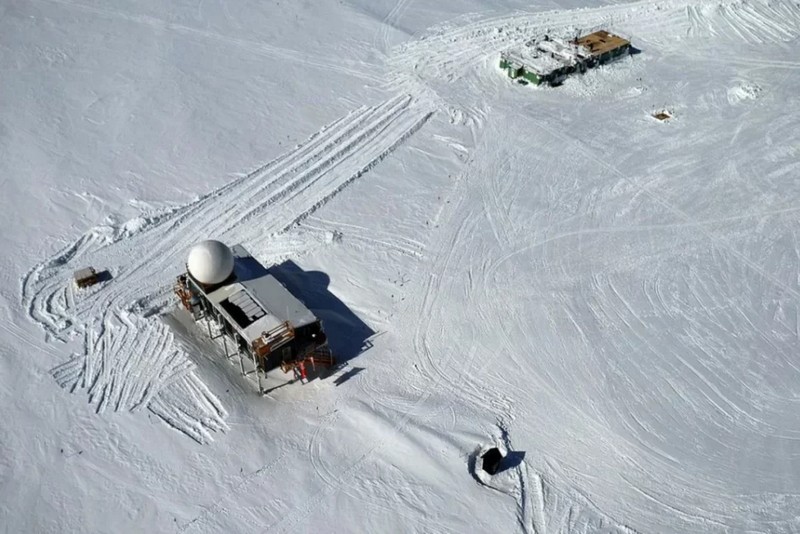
[{"x": 85, "y": 277}]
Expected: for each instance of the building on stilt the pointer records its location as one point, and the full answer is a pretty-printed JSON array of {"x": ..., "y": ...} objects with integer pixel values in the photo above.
[{"x": 261, "y": 320}]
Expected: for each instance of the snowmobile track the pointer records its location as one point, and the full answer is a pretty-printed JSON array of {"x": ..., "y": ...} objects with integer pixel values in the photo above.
[
  {"x": 453, "y": 49},
  {"x": 123, "y": 338}
]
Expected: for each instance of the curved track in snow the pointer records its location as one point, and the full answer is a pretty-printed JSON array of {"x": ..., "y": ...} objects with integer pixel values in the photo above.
[
  {"x": 452, "y": 50},
  {"x": 569, "y": 266},
  {"x": 675, "y": 337},
  {"x": 656, "y": 275},
  {"x": 129, "y": 359},
  {"x": 555, "y": 346}
]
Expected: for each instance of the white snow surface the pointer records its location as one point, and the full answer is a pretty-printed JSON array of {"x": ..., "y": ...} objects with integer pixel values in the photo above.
[{"x": 550, "y": 269}]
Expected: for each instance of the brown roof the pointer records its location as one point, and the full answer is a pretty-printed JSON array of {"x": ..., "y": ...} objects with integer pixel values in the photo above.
[{"x": 601, "y": 42}]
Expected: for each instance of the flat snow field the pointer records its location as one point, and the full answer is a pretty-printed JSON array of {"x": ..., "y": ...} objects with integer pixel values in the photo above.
[{"x": 612, "y": 298}]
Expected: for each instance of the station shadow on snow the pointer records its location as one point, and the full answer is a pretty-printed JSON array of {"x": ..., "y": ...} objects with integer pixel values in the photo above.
[{"x": 348, "y": 335}]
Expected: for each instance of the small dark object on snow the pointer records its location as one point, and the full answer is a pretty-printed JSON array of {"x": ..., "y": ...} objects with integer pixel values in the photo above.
[
  {"x": 491, "y": 460},
  {"x": 86, "y": 277}
]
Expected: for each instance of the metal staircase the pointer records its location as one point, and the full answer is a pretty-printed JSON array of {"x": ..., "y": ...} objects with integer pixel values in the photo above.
[{"x": 273, "y": 339}]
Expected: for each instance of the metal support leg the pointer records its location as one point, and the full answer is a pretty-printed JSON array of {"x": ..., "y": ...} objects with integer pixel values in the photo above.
[
  {"x": 225, "y": 345},
  {"x": 258, "y": 376},
  {"x": 241, "y": 360}
]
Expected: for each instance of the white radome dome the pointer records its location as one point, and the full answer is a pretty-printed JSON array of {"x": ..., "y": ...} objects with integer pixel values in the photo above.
[{"x": 210, "y": 262}]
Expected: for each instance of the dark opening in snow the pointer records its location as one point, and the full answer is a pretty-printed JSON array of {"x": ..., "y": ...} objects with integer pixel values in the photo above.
[{"x": 491, "y": 460}]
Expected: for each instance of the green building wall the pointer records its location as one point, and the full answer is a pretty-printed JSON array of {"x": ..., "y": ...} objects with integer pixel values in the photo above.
[
  {"x": 519, "y": 73},
  {"x": 531, "y": 77},
  {"x": 535, "y": 79}
]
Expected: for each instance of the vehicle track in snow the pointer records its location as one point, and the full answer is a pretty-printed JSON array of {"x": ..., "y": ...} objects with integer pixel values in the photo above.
[
  {"x": 712, "y": 314},
  {"x": 416, "y": 411},
  {"x": 451, "y": 369},
  {"x": 296, "y": 184},
  {"x": 381, "y": 40},
  {"x": 261, "y": 48},
  {"x": 545, "y": 508},
  {"x": 372, "y": 237},
  {"x": 117, "y": 320},
  {"x": 752, "y": 22},
  {"x": 452, "y": 50}
]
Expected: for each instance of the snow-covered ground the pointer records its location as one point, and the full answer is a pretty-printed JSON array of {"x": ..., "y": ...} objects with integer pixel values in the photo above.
[{"x": 612, "y": 298}]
